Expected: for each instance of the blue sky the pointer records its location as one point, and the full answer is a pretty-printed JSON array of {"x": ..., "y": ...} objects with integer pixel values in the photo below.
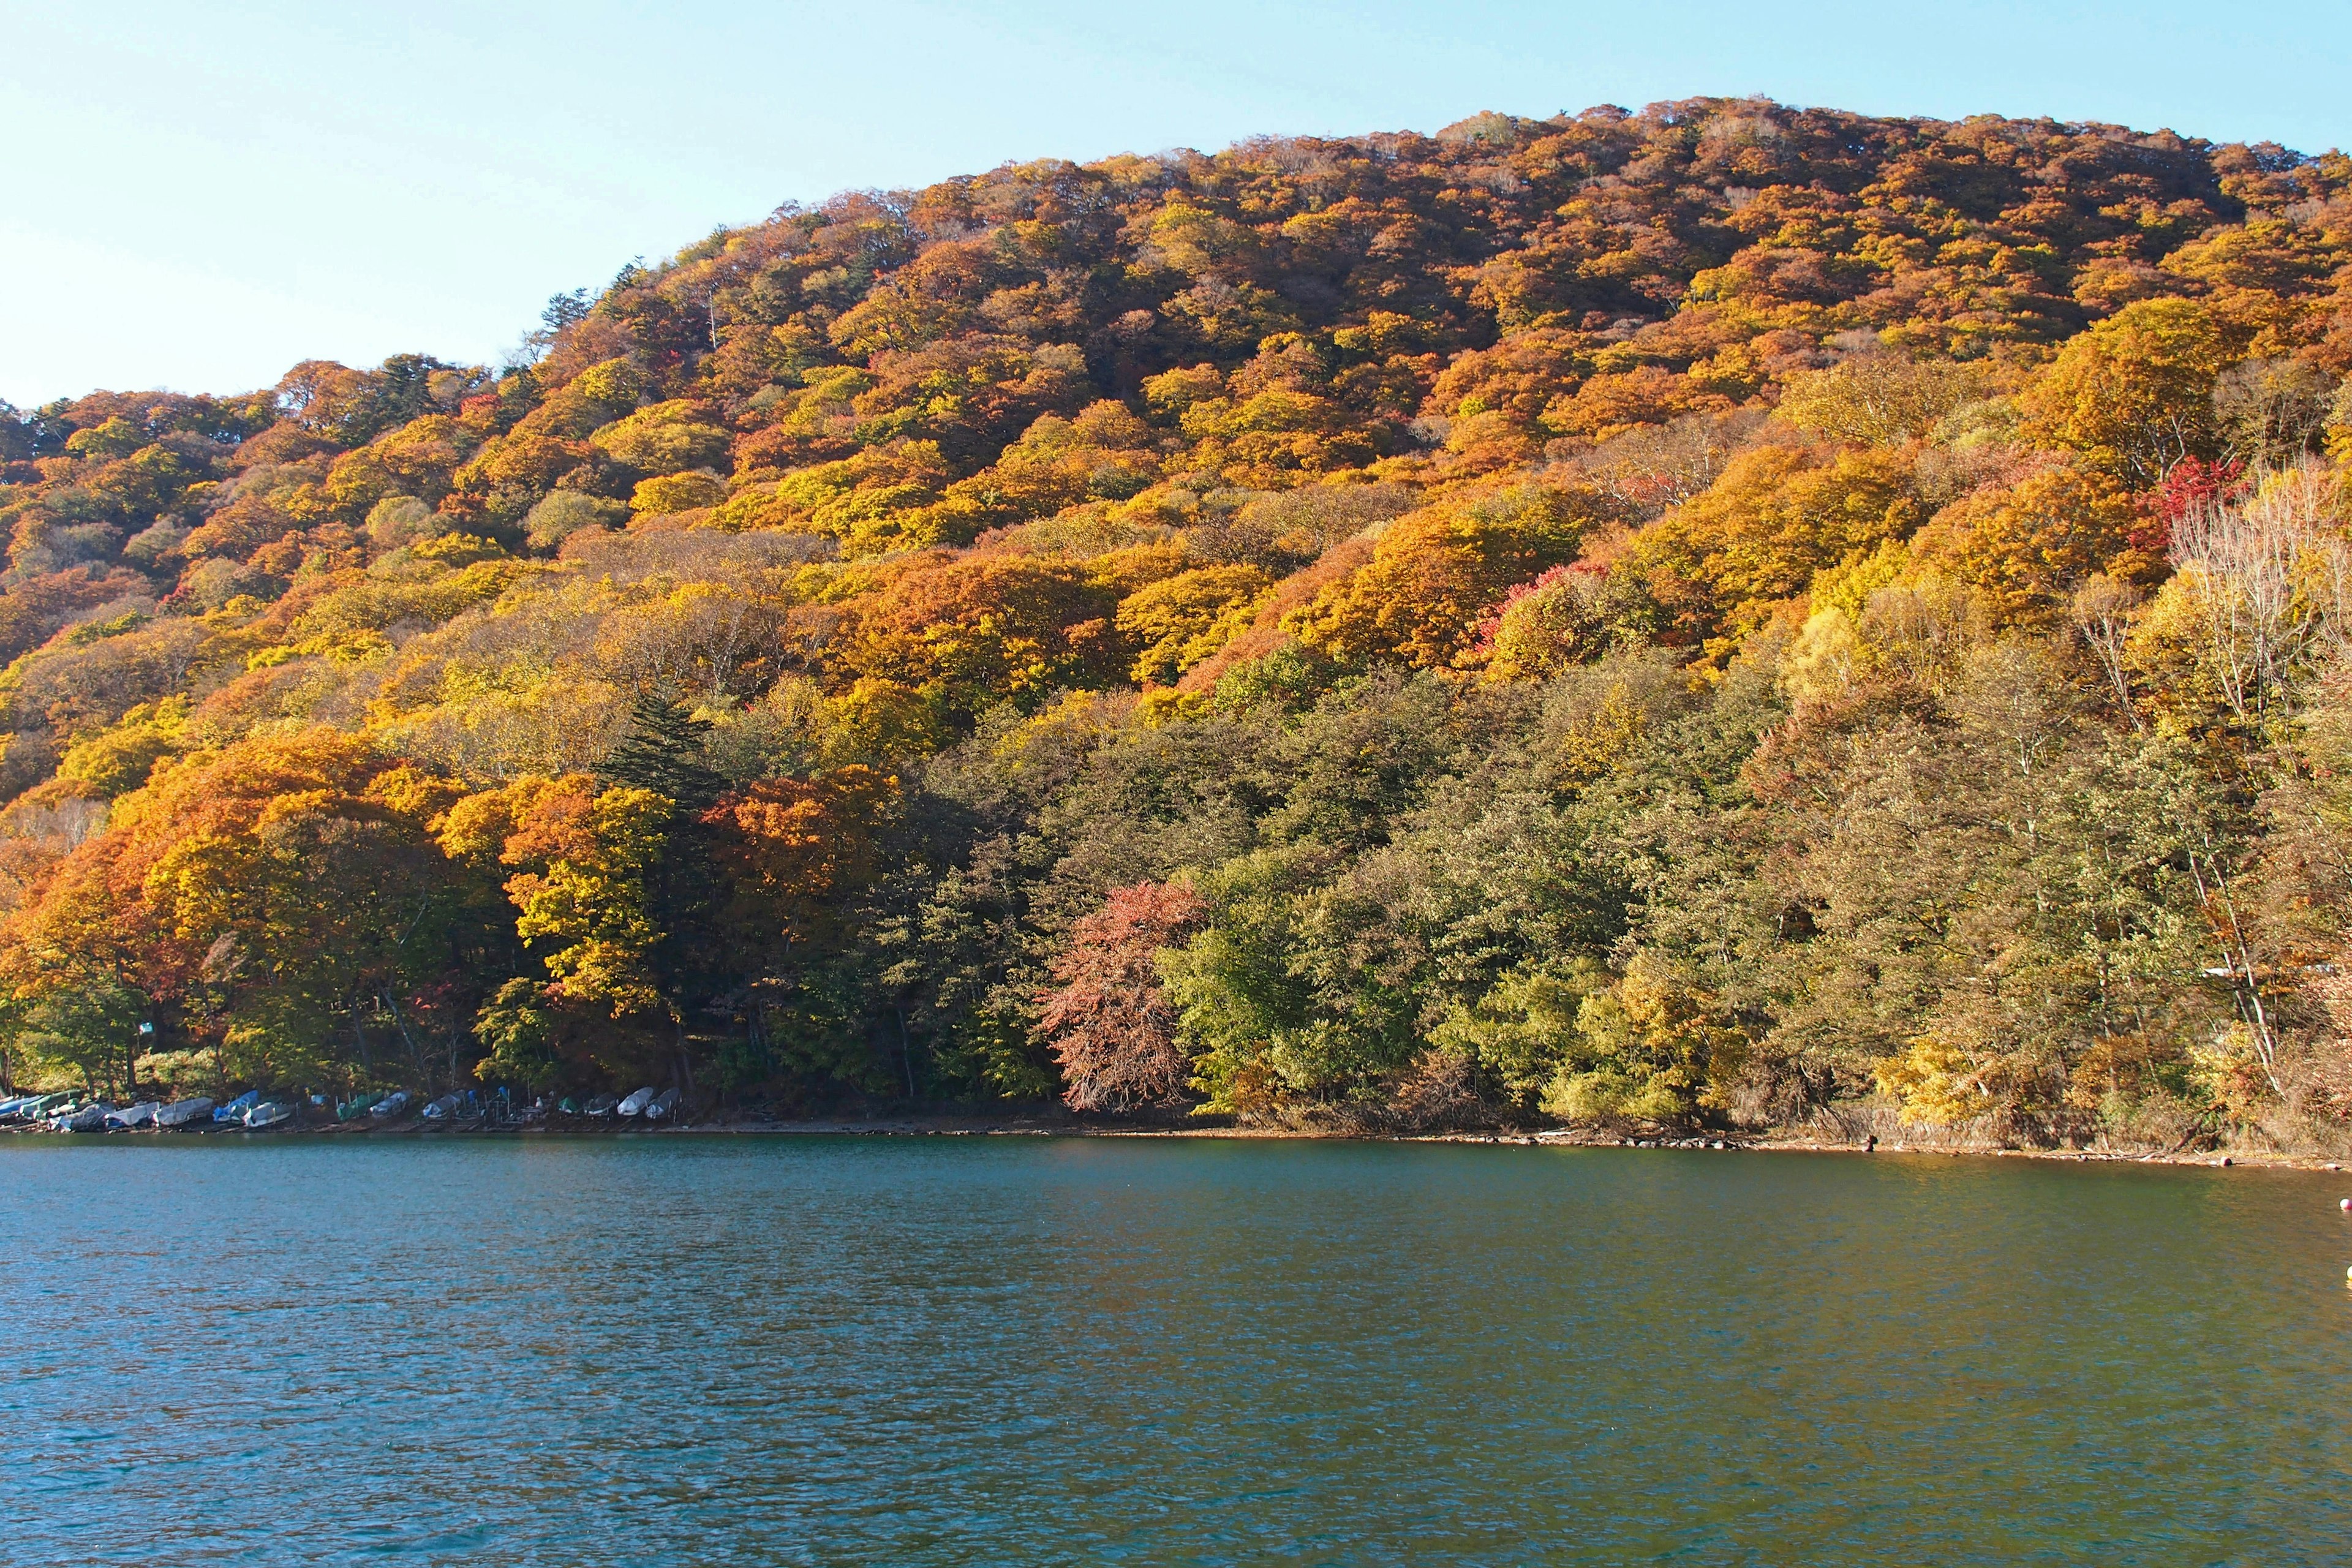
[{"x": 199, "y": 196}]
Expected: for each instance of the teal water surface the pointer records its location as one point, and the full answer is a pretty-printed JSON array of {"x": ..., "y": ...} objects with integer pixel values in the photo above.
[{"x": 1017, "y": 1350}]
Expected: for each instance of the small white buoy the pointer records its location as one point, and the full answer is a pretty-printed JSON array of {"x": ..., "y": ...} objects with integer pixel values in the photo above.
[{"x": 2346, "y": 1205}]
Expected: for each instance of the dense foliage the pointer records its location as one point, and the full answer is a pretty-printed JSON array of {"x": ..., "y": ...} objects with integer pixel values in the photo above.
[{"x": 1720, "y": 613}]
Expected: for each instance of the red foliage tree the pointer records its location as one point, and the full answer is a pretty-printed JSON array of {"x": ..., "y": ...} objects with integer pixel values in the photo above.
[{"x": 1108, "y": 1023}]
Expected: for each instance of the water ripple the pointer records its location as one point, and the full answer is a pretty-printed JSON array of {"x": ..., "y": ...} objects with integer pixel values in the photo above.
[{"x": 1013, "y": 1351}]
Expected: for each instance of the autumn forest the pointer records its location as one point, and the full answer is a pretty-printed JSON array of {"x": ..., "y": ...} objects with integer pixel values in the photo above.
[{"x": 1723, "y": 616}]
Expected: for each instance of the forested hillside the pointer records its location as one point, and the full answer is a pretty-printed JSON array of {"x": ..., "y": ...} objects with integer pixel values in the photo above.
[{"x": 1696, "y": 616}]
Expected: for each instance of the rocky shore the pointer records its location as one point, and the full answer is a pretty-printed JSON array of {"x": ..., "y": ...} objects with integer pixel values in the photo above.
[{"x": 1055, "y": 1122}]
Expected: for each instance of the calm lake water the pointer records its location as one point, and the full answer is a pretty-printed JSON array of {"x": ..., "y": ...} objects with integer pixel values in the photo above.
[{"x": 999, "y": 1350}]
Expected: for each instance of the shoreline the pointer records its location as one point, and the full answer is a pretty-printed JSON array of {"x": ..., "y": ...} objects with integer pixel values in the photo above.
[{"x": 1766, "y": 1143}]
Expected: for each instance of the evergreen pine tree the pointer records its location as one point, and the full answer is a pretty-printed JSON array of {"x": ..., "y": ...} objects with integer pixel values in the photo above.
[{"x": 663, "y": 752}]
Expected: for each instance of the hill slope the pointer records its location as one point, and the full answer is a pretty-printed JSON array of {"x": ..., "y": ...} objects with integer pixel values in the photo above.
[{"x": 1722, "y": 613}]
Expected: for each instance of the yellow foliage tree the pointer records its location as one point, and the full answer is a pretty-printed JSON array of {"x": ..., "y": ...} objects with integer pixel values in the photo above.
[
  {"x": 2134, "y": 393},
  {"x": 1756, "y": 537},
  {"x": 2031, "y": 545},
  {"x": 1433, "y": 574},
  {"x": 1184, "y": 619}
]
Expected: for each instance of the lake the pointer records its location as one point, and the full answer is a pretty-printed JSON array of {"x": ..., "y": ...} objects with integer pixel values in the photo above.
[{"x": 904, "y": 1351}]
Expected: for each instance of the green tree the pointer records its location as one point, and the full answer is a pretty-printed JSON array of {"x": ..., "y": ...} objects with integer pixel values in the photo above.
[{"x": 662, "y": 752}]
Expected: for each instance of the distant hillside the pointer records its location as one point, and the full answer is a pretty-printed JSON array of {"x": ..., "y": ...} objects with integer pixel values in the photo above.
[{"x": 1723, "y": 614}]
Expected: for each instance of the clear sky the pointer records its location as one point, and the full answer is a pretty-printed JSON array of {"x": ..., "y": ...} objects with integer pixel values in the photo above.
[{"x": 197, "y": 196}]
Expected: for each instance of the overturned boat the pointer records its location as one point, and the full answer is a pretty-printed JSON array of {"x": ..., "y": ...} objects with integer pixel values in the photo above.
[{"x": 184, "y": 1114}]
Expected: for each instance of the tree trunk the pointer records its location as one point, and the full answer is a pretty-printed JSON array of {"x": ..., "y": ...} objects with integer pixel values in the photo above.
[{"x": 906, "y": 1049}]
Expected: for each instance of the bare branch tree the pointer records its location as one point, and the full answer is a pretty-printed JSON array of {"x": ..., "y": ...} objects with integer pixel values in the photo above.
[{"x": 2274, "y": 579}]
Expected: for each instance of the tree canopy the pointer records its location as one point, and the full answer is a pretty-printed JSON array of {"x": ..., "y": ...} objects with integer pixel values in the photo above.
[{"x": 1723, "y": 614}]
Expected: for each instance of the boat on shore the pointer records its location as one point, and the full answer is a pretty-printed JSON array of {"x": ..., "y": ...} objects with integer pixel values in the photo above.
[
  {"x": 600, "y": 1106},
  {"x": 267, "y": 1114},
  {"x": 182, "y": 1112},
  {"x": 90, "y": 1118},
  {"x": 234, "y": 1111},
  {"x": 638, "y": 1099},
  {"x": 661, "y": 1105},
  {"x": 389, "y": 1105},
  {"x": 445, "y": 1108},
  {"x": 140, "y": 1115}
]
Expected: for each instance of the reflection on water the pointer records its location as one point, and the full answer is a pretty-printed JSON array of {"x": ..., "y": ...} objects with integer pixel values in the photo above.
[{"x": 944, "y": 1350}]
